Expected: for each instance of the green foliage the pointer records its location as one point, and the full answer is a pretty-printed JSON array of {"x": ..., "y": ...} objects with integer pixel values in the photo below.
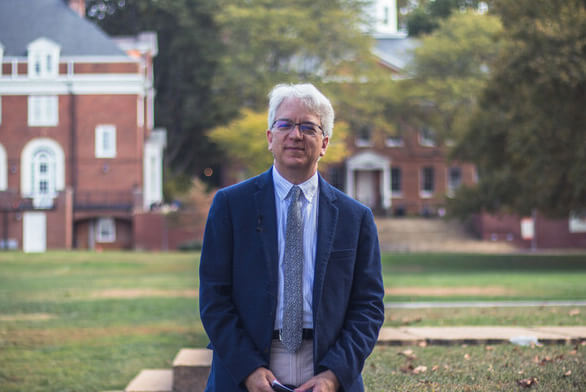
[
  {"x": 271, "y": 41},
  {"x": 427, "y": 16},
  {"x": 450, "y": 68},
  {"x": 219, "y": 57},
  {"x": 527, "y": 136}
]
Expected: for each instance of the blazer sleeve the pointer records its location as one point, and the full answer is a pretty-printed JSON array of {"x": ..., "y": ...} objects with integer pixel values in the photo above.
[
  {"x": 220, "y": 318},
  {"x": 365, "y": 310}
]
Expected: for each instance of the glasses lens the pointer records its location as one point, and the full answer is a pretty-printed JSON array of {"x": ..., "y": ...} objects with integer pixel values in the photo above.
[
  {"x": 308, "y": 128},
  {"x": 283, "y": 125}
]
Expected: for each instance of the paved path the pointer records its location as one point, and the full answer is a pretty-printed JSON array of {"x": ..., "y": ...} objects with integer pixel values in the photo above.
[
  {"x": 481, "y": 304},
  {"x": 481, "y": 335}
]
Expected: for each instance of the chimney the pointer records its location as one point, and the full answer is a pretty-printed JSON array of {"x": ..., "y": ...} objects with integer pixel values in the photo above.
[{"x": 78, "y": 6}]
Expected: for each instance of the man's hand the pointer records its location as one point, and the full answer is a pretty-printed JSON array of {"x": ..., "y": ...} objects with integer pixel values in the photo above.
[
  {"x": 322, "y": 382},
  {"x": 260, "y": 380}
]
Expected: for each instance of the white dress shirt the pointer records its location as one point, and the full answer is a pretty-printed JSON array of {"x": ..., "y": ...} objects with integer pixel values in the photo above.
[{"x": 309, "y": 211}]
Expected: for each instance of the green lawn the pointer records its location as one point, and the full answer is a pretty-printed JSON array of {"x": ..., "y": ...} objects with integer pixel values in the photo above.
[
  {"x": 81, "y": 321},
  {"x": 412, "y": 277}
]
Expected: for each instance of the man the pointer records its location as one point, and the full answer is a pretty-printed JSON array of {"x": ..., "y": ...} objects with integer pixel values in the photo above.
[{"x": 290, "y": 275}]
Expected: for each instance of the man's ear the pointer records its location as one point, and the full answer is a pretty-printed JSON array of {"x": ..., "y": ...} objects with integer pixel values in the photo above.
[
  {"x": 324, "y": 146},
  {"x": 270, "y": 140}
]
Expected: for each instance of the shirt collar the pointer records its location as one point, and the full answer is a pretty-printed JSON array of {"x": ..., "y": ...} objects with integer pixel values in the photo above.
[{"x": 283, "y": 186}]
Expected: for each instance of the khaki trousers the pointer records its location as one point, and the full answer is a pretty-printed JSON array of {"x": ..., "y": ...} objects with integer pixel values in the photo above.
[{"x": 292, "y": 368}]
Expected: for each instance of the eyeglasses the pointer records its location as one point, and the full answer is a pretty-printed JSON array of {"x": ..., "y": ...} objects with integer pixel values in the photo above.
[{"x": 306, "y": 128}]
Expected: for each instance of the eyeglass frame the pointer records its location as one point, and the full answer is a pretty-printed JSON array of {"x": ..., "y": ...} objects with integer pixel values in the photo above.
[{"x": 298, "y": 125}]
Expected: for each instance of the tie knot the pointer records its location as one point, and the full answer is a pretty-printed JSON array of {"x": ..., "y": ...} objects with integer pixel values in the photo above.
[{"x": 295, "y": 192}]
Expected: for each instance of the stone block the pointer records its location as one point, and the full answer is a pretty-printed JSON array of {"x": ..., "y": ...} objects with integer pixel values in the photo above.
[
  {"x": 151, "y": 380},
  {"x": 191, "y": 369}
]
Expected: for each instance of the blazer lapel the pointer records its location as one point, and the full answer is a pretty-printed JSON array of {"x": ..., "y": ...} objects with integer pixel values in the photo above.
[
  {"x": 326, "y": 228},
  {"x": 266, "y": 224}
]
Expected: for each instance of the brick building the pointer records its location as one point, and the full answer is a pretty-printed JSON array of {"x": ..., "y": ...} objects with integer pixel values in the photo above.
[{"x": 79, "y": 158}]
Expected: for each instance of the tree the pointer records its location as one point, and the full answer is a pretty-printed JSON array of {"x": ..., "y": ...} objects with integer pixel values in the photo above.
[
  {"x": 217, "y": 57},
  {"x": 450, "y": 68},
  {"x": 272, "y": 41},
  {"x": 428, "y": 14},
  {"x": 189, "y": 51},
  {"x": 527, "y": 136}
]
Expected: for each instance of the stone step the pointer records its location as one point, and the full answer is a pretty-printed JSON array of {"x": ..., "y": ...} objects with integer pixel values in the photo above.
[
  {"x": 151, "y": 380},
  {"x": 191, "y": 368},
  {"x": 479, "y": 335}
]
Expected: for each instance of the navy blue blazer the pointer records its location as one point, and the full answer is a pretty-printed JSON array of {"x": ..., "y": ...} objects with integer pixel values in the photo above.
[{"x": 238, "y": 284}]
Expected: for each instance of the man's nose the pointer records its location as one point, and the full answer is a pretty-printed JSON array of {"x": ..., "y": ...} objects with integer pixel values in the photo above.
[{"x": 295, "y": 132}]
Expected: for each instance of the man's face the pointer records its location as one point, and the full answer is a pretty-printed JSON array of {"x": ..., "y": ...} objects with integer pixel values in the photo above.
[{"x": 296, "y": 154}]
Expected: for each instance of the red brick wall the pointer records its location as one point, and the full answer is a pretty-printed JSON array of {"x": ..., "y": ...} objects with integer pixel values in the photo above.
[
  {"x": 157, "y": 231},
  {"x": 105, "y": 68},
  {"x": 550, "y": 233},
  {"x": 123, "y": 235},
  {"x": 125, "y": 170}
]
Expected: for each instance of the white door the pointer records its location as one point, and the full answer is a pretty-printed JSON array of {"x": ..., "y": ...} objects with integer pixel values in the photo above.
[
  {"x": 365, "y": 186},
  {"x": 34, "y": 236}
]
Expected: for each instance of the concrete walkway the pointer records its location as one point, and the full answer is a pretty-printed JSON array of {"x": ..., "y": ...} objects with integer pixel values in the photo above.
[
  {"x": 481, "y": 304},
  {"x": 481, "y": 335}
]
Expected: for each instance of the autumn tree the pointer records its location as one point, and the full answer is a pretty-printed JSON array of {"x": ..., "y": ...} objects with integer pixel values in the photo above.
[{"x": 527, "y": 136}]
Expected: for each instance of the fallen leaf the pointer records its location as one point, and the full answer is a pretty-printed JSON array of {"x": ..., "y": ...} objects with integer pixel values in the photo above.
[
  {"x": 434, "y": 368},
  {"x": 489, "y": 348},
  {"x": 408, "y": 354},
  {"x": 467, "y": 357},
  {"x": 406, "y": 369},
  {"x": 574, "y": 312},
  {"x": 573, "y": 352},
  {"x": 521, "y": 372},
  {"x": 568, "y": 373},
  {"x": 527, "y": 382},
  {"x": 420, "y": 369}
]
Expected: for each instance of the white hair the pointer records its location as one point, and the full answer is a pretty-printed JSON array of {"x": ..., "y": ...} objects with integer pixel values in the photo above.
[{"x": 311, "y": 97}]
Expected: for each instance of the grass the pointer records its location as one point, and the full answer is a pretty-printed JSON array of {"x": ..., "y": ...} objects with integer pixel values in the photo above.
[
  {"x": 484, "y": 277},
  {"x": 476, "y": 368},
  {"x": 81, "y": 321}
]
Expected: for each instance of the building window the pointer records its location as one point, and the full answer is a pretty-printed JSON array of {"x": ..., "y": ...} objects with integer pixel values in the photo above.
[
  {"x": 364, "y": 136},
  {"x": 394, "y": 141},
  {"x": 105, "y": 141},
  {"x": 427, "y": 182},
  {"x": 44, "y": 174},
  {"x": 43, "y": 59},
  {"x": 427, "y": 137},
  {"x": 43, "y": 110},
  {"x": 454, "y": 180},
  {"x": 396, "y": 181},
  {"x": 105, "y": 230}
]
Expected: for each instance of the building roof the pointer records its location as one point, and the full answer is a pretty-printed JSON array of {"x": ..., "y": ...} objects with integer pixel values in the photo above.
[
  {"x": 395, "y": 51},
  {"x": 23, "y": 21}
]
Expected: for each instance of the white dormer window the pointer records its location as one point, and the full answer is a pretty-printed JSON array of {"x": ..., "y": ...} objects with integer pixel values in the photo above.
[{"x": 43, "y": 59}]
